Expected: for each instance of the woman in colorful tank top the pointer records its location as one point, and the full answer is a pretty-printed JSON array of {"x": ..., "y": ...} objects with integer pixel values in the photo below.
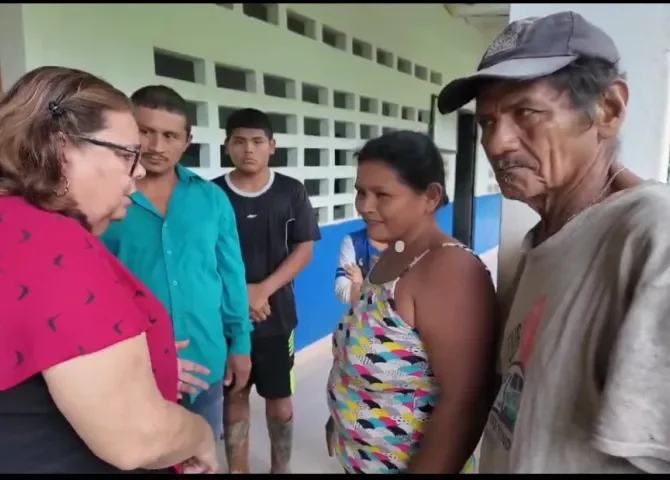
[{"x": 413, "y": 368}]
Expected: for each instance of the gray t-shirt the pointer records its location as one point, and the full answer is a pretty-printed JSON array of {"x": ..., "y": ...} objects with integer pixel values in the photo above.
[{"x": 585, "y": 356}]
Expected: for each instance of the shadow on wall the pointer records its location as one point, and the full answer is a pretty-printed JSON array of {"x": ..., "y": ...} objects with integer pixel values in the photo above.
[{"x": 318, "y": 308}]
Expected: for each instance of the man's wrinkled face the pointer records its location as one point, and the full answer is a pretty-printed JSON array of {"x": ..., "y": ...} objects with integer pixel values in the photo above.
[{"x": 533, "y": 137}]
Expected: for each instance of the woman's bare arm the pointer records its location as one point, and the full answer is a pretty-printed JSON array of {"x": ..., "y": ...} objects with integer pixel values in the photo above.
[
  {"x": 456, "y": 315},
  {"x": 111, "y": 399}
]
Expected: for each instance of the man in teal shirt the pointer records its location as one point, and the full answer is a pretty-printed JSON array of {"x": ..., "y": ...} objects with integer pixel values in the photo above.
[{"x": 180, "y": 239}]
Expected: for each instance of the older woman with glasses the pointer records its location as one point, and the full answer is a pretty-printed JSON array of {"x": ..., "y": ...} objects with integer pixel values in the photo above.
[{"x": 88, "y": 367}]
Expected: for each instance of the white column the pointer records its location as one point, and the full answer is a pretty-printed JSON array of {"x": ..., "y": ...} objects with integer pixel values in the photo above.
[{"x": 642, "y": 35}]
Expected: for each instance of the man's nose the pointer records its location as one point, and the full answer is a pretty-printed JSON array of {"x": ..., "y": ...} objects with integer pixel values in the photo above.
[
  {"x": 155, "y": 144},
  {"x": 501, "y": 139}
]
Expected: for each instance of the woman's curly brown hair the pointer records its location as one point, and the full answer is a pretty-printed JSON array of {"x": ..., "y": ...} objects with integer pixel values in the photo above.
[{"x": 41, "y": 108}]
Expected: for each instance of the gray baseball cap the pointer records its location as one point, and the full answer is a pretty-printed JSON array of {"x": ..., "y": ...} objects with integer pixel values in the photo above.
[{"x": 531, "y": 48}]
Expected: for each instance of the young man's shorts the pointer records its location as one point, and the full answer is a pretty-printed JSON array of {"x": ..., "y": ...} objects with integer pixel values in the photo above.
[{"x": 272, "y": 366}]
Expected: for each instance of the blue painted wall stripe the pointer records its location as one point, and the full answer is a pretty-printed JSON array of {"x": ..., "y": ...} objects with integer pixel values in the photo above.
[
  {"x": 318, "y": 308},
  {"x": 487, "y": 222}
]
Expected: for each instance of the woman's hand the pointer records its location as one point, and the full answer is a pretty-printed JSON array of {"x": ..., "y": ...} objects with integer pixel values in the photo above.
[
  {"x": 205, "y": 460},
  {"x": 354, "y": 273},
  {"x": 189, "y": 383},
  {"x": 202, "y": 464},
  {"x": 330, "y": 436}
]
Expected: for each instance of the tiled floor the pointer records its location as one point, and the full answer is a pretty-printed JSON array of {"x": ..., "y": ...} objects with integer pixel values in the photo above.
[{"x": 309, "y": 449}]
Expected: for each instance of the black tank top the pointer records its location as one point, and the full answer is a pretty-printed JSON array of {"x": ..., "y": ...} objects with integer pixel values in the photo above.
[{"x": 36, "y": 438}]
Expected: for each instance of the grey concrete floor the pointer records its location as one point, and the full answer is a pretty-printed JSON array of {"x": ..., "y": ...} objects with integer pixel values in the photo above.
[
  {"x": 309, "y": 403},
  {"x": 309, "y": 447}
]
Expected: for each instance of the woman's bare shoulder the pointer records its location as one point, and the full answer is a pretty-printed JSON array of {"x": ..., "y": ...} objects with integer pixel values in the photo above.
[{"x": 450, "y": 261}]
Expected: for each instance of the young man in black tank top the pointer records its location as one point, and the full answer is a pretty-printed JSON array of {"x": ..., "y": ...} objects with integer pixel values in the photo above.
[{"x": 277, "y": 228}]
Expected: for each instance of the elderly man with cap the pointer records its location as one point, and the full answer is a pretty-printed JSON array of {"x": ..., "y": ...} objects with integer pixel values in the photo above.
[{"x": 585, "y": 356}]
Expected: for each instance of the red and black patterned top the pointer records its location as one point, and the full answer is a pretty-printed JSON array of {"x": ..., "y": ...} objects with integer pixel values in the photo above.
[{"x": 63, "y": 295}]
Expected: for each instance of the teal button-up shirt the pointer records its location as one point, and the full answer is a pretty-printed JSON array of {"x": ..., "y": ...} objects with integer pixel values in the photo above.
[{"x": 191, "y": 260}]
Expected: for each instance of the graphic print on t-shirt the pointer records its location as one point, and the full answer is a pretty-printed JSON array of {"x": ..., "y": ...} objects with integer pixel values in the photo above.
[{"x": 506, "y": 406}]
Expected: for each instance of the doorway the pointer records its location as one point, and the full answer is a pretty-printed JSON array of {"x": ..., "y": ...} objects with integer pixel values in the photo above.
[
  {"x": 464, "y": 171},
  {"x": 465, "y": 174}
]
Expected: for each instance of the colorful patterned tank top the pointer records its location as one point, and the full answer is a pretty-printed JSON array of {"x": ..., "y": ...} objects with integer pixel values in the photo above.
[{"x": 381, "y": 391}]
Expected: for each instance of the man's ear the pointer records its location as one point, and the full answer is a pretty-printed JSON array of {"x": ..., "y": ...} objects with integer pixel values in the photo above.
[
  {"x": 611, "y": 110},
  {"x": 187, "y": 144}
]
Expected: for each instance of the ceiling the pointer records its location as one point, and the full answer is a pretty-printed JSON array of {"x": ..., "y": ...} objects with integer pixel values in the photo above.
[{"x": 488, "y": 17}]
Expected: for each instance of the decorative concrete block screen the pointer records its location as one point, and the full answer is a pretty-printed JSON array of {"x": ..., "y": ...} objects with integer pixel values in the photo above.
[{"x": 318, "y": 126}]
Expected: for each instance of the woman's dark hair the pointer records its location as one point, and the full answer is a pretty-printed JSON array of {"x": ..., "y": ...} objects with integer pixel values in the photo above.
[
  {"x": 40, "y": 106},
  {"x": 413, "y": 156}
]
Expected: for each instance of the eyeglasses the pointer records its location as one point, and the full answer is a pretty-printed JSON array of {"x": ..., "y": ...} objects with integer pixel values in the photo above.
[{"x": 136, "y": 152}]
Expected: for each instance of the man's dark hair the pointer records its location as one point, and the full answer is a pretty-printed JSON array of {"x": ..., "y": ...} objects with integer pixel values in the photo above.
[
  {"x": 160, "y": 97},
  {"x": 248, "y": 118},
  {"x": 586, "y": 80}
]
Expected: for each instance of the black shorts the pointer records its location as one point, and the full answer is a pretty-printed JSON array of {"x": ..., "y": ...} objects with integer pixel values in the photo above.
[{"x": 272, "y": 366}]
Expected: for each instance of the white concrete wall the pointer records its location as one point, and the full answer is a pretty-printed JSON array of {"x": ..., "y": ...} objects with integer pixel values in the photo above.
[
  {"x": 118, "y": 41},
  {"x": 445, "y": 137},
  {"x": 642, "y": 35},
  {"x": 12, "y": 45}
]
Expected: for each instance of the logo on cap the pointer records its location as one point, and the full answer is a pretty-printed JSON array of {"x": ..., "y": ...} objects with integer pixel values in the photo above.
[{"x": 510, "y": 37}]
